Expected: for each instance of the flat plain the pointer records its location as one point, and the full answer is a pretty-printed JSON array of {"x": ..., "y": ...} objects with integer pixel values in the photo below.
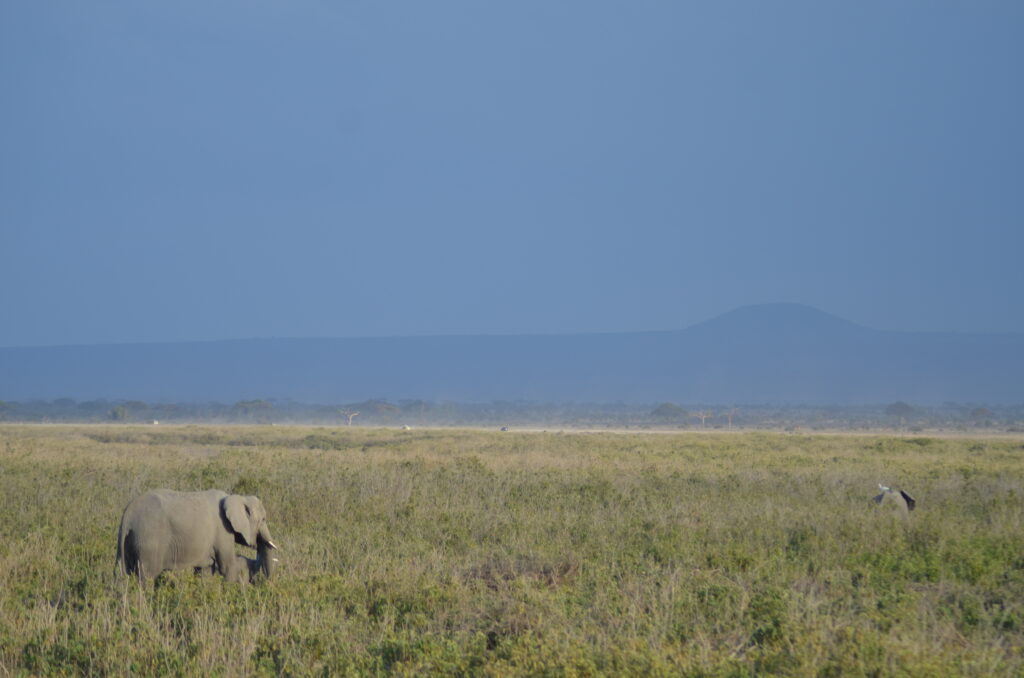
[{"x": 468, "y": 552}]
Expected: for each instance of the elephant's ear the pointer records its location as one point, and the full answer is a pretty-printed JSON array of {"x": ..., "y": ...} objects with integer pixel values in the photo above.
[{"x": 233, "y": 507}]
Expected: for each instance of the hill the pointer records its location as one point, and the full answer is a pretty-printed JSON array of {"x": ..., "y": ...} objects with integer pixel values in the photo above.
[{"x": 775, "y": 353}]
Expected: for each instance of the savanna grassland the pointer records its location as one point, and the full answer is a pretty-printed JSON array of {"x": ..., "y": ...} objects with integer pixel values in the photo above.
[{"x": 461, "y": 552}]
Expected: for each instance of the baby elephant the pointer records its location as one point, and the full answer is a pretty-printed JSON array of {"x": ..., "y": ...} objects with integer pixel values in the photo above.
[
  {"x": 168, "y": 530},
  {"x": 250, "y": 568}
]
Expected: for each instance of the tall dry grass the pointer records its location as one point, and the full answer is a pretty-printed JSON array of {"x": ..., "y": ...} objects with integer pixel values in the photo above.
[{"x": 463, "y": 552}]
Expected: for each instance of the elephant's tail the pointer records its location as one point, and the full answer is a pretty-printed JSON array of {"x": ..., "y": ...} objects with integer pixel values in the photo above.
[
  {"x": 127, "y": 561},
  {"x": 119, "y": 561}
]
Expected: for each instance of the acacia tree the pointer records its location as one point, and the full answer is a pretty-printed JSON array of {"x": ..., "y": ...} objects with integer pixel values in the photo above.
[
  {"x": 669, "y": 411},
  {"x": 730, "y": 413},
  {"x": 899, "y": 409},
  {"x": 702, "y": 415}
]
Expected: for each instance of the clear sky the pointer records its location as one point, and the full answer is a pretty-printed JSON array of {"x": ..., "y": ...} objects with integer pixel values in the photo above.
[{"x": 230, "y": 169}]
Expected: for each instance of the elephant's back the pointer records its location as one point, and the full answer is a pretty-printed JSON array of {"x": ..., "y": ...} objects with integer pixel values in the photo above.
[
  {"x": 174, "y": 501},
  {"x": 143, "y": 505},
  {"x": 171, "y": 529},
  {"x": 184, "y": 512}
]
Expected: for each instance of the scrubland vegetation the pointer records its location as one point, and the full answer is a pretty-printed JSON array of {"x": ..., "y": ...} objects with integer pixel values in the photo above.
[
  {"x": 462, "y": 552},
  {"x": 897, "y": 416}
]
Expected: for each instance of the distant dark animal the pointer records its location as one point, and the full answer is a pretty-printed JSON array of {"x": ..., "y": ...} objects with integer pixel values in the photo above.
[
  {"x": 504, "y": 428},
  {"x": 898, "y": 498}
]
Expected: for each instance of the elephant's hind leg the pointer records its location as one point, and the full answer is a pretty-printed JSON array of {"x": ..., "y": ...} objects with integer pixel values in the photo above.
[{"x": 150, "y": 555}]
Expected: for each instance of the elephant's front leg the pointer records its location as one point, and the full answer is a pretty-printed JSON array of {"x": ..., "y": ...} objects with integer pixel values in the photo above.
[
  {"x": 229, "y": 564},
  {"x": 209, "y": 567}
]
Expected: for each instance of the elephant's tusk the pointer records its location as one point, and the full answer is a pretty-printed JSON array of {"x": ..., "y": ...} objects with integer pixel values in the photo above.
[{"x": 271, "y": 544}]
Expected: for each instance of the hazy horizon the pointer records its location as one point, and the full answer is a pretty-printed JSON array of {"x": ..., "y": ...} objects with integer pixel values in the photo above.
[
  {"x": 800, "y": 308},
  {"x": 760, "y": 354}
]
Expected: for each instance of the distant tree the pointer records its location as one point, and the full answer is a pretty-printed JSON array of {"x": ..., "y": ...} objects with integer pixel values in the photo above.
[
  {"x": 379, "y": 409},
  {"x": 171, "y": 410},
  {"x": 351, "y": 414},
  {"x": 414, "y": 406},
  {"x": 703, "y": 415},
  {"x": 118, "y": 413},
  {"x": 669, "y": 411},
  {"x": 730, "y": 414},
  {"x": 982, "y": 416},
  {"x": 94, "y": 406},
  {"x": 136, "y": 405},
  {"x": 417, "y": 409},
  {"x": 252, "y": 408},
  {"x": 899, "y": 409}
]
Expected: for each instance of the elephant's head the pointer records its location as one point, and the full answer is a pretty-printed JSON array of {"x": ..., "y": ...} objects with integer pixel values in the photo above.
[{"x": 247, "y": 518}]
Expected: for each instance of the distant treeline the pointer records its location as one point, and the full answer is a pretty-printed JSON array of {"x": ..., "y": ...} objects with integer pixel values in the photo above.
[{"x": 380, "y": 412}]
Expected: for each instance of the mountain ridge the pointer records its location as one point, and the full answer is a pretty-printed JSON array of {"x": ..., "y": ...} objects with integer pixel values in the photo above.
[{"x": 769, "y": 353}]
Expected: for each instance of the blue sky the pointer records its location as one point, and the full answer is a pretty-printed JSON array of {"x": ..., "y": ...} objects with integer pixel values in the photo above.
[{"x": 228, "y": 169}]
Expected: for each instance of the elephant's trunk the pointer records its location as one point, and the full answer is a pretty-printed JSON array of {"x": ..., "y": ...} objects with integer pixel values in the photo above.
[
  {"x": 263, "y": 537},
  {"x": 265, "y": 560}
]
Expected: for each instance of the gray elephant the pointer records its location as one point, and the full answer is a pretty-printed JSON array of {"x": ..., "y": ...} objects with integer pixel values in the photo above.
[
  {"x": 250, "y": 568},
  {"x": 168, "y": 530}
]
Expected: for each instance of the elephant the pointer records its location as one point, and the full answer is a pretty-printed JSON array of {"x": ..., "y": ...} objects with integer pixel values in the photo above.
[
  {"x": 170, "y": 530},
  {"x": 250, "y": 568}
]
